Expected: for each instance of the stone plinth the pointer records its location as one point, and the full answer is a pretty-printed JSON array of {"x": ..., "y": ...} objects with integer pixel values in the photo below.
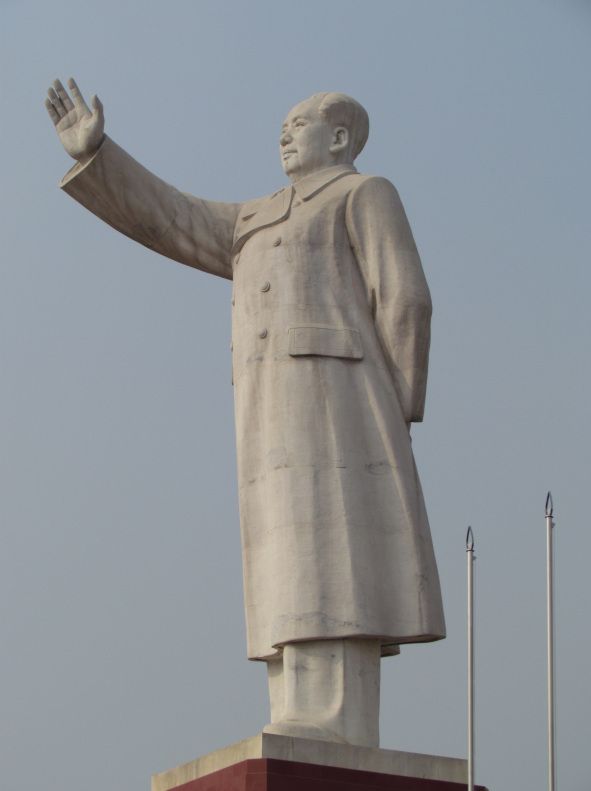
[{"x": 268, "y": 762}]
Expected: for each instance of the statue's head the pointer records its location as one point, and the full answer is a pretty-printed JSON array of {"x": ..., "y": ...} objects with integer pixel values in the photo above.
[{"x": 326, "y": 129}]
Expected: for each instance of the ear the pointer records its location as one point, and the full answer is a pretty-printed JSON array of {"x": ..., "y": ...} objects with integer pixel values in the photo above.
[{"x": 340, "y": 139}]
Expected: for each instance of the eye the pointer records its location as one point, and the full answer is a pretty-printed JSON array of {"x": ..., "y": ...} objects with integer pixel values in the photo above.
[{"x": 300, "y": 123}]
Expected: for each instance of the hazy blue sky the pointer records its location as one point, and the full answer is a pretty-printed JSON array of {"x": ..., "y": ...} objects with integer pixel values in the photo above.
[{"x": 123, "y": 649}]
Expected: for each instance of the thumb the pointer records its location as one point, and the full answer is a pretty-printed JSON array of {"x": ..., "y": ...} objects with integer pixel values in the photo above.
[{"x": 97, "y": 107}]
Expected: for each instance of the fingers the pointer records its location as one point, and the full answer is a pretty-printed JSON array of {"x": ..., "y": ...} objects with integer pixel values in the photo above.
[
  {"x": 60, "y": 102},
  {"x": 56, "y": 103},
  {"x": 63, "y": 96},
  {"x": 77, "y": 96},
  {"x": 52, "y": 112}
]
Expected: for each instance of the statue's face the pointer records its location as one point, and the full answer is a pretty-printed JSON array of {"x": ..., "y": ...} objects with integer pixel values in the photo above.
[{"x": 306, "y": 141}]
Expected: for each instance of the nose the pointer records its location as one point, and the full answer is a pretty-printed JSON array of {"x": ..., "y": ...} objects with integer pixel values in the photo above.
[{"x": 285, "y": 138}]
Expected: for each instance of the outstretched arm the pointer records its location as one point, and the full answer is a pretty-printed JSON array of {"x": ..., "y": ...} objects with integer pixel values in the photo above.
[{"x": 116, "y": 188}]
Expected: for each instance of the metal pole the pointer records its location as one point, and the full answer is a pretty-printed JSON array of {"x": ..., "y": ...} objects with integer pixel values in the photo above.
[
  {"x": 470, "y": 575},
  {"x": 550, "y": 645}
]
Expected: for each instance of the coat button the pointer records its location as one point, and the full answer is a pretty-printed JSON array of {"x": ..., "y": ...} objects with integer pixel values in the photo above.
[
  {"x": 266, "y": 286},
  {"x": 263, "y": 333},
  {"x": 277, "y": 242}
]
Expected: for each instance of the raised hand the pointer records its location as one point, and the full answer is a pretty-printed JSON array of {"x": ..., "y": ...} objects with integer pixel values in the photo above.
[{"x": 80, "y": 129}]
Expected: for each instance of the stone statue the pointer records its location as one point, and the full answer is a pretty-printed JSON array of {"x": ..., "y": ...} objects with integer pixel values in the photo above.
[{"x": 331, "y": 317}]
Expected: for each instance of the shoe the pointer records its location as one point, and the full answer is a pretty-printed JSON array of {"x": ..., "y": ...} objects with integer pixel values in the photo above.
[{"x": 303, "y": 730}]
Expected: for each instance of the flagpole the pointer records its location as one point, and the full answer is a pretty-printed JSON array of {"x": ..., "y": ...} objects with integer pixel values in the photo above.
[
  {"x": 470, "y": 597},
  {"x": 550, "y": 643}
]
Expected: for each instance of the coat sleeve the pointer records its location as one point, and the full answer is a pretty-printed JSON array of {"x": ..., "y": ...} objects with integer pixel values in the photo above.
[
  {"x": 396, "y": 287},
  {"x": 132, "y": 200}
]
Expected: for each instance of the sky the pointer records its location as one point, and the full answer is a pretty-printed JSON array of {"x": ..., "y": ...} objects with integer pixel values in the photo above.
[{"x": 121, "y": 621}]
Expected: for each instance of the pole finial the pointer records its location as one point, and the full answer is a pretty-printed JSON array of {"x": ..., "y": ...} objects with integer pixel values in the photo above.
[
  {"x": 470, "y": 540},
  {"x": 549, "y": 505}
]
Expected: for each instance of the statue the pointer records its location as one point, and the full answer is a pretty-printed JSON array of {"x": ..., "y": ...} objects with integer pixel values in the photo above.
[{"x": 331, "y": 321}]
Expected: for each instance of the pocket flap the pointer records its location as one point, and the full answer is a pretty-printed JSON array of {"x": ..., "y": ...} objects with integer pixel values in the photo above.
[{"x": 325, "y": 342}]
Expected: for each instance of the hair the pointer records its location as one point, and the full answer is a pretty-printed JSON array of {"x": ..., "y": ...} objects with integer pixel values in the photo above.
[{"x": 342, "y": 110}]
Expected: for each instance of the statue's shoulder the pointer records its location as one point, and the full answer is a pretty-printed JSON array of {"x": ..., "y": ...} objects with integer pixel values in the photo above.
[
  {"x": 370, "y": 181},
  {"x": 372, "y": 188}
]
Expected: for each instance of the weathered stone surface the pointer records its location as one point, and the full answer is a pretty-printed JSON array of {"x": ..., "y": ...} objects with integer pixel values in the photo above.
[{"x": 331, "y": 323}]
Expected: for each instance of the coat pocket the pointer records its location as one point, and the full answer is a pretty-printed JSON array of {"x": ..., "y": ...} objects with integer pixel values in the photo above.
[{"x": 325, "y": 342}]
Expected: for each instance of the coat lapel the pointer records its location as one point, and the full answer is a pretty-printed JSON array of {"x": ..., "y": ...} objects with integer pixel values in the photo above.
[
  {"x": 261, "y": 214},
  {"x": 264, "y": 212}
]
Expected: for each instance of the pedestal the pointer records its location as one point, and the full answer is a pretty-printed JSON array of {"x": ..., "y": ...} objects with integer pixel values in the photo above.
[{"x": 278, "y": 763}]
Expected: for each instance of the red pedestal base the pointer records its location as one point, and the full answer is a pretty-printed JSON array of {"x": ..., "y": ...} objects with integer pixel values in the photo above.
[{"x": 269, "y": 774}]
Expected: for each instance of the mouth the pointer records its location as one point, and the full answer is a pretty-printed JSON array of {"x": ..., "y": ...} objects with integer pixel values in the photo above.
[{"x": 288, "y": 152}]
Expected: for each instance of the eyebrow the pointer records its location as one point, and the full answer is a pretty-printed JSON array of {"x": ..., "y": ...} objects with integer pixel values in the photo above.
[{"x": 293, "y": 120}]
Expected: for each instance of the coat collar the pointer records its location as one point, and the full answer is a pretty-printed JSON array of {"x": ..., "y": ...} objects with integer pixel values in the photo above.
[{"x": 308, "y": 186}]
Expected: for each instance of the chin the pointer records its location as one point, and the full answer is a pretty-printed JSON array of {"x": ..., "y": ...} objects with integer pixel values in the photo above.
[{"x": 289, "y": 170}]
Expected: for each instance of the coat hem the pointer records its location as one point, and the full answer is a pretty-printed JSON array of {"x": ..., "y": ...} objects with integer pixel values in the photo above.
[{"x": 390, "y": 644}]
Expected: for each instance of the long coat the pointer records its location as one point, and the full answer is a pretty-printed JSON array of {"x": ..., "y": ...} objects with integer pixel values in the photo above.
[{"x": 331, "y": 315}]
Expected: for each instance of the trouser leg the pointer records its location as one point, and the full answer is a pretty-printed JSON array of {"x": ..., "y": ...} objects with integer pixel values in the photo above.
[
  {"x": 276, "y": 692},
  {"x": 327, "y": 689}
]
